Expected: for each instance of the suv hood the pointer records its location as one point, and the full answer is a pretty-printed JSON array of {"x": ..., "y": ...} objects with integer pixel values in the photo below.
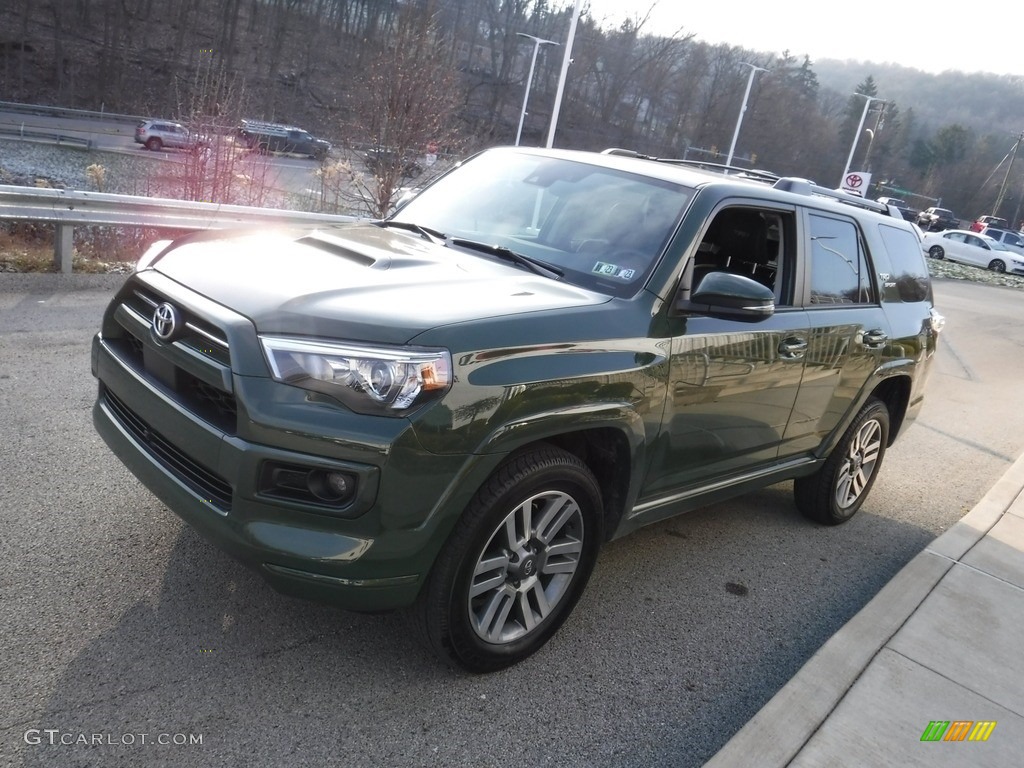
[{"x": 359, "y": 282}]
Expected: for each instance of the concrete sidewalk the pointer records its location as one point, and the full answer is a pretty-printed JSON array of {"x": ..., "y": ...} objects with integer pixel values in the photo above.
[{"x": 943, "y": 641}]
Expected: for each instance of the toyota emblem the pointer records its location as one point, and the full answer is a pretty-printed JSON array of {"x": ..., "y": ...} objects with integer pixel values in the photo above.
[{"x": 166, "y": 322}]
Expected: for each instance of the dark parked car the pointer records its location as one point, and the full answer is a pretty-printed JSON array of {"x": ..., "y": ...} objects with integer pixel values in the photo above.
[
  {"x": 383, "y": 160},
  {"x": 272, "y": 137},
  {"x": 905, "y": 210},
  {"x": 454, "y": 408},
  {"x": 937, "y": 219}
]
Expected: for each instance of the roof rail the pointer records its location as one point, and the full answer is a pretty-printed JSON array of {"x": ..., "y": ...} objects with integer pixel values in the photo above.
[
  {"x": 800, "y": 186},
  {"x": 725, "y": 170},
  {"x": 263, "y": 125},
  {"x": 792, "y": 184}
]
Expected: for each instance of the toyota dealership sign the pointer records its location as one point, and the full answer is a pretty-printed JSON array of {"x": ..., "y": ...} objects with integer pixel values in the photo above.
[{"x": 856, "y": 183}]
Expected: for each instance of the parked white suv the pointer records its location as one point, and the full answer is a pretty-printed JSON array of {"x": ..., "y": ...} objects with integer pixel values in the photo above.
[{"x": 157, "y": 134}]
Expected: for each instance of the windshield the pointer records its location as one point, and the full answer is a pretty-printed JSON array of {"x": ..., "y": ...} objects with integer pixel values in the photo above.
[{"x": 602, "y": 228}]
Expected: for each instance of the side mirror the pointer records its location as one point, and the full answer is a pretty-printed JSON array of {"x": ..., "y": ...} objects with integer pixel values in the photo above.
[{"x": 729, "y": 296}]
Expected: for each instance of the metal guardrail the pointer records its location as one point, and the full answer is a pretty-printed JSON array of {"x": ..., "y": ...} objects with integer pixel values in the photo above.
[
  {"x": 42, "y": 109},
  {"x": 58, "y": 138},
  {"x": 69, "y": 208}
]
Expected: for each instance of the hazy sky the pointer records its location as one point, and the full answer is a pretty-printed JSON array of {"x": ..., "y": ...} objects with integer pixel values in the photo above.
[{"x": 933, "y": 37}]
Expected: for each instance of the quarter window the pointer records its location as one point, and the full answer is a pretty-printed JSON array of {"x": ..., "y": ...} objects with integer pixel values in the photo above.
[
  {"x": 839, "y": 272},
  {"x": 909, "y": 270}
]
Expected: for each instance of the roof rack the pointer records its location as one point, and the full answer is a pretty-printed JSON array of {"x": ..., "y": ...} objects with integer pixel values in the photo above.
[
  {"x": 807, "y": 187},
  {"x": 260, "y": 125},
  {"x": 725, "y": 170},
  {"x": 784, "y": 183}
]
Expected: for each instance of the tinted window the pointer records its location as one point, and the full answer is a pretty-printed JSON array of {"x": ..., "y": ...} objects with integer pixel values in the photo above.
[
  {"x": 909, "y": 271},
  {"x": 749, "y": 242},
  {"x": 604, "y": 228},
  {"x": 839, "y": 273}
]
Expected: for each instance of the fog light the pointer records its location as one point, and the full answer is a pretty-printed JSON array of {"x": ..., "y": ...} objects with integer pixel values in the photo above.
[
  {"x": 330, "y": 486},
  {"x": 322, "y": 487}
]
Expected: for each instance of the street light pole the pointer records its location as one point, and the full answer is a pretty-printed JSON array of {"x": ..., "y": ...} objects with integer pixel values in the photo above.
[
  {"x": 739, "y": 120},
  {"x": 566, "y": 60},
  {"x": 537, "y": 43},
  {"x": 1006, "y": 178},
  {"x": 856, "y": 136}
]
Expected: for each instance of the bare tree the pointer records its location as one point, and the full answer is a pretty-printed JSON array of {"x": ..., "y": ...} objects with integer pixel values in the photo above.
[
  {"x": 217, "y": 170},
  {"x": 405, "y": 106}
]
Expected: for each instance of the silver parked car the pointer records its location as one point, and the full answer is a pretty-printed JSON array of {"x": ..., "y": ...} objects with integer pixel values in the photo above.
[
  {"x": 1012, "y": 240},
  {"x": 157, "y": 134}
]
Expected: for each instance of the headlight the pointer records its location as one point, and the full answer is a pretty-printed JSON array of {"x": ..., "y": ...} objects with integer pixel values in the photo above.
[{"x": 379, "y": 380}]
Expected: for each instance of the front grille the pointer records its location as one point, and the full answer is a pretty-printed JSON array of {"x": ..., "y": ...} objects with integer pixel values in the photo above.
[
  {"x": 209, "y": 485},
  {"x": 199, "y": 335},
  {"x": 211, "y": 404},
  {"x": 191, "y": 388}
]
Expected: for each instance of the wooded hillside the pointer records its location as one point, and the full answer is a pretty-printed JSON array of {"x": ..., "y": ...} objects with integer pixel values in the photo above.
[{"x": 319, "y": 64}]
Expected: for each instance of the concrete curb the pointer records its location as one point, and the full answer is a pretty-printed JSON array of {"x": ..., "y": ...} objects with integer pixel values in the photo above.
[{"x": 787, "y": 722}]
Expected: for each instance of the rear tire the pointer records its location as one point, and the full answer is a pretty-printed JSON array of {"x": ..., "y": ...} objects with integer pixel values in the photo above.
[
  {"x": 154, "y": 144},
  {"x": 936, "y": 252},
  {"x": 834, "y": 493},
  {"x": 516, "y": 563}
]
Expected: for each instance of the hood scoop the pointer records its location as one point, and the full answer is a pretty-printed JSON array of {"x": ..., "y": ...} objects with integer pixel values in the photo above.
[{"x": 337, "y": 247}]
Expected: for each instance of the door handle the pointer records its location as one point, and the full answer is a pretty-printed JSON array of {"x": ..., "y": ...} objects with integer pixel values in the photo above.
[
  {"x": 793, "y": 347},
  {"x": 875, "y": 338}
]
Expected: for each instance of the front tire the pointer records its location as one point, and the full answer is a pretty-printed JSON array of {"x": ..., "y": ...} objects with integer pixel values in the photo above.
[
  {"x": 516, "y": 564},
  {"x": 997, "y": 265},
  {"x": 834, "y": 493}
]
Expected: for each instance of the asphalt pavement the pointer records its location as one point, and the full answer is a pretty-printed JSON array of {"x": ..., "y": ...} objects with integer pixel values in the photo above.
[{"x": 120, "y": 624}]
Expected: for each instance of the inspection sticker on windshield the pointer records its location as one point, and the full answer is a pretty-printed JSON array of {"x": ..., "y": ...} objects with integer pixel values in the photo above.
[{"x": 611, "y": 270}]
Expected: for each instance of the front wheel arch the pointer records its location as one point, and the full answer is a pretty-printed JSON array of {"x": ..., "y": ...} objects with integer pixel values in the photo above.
[{"x": 476, "y": 609}]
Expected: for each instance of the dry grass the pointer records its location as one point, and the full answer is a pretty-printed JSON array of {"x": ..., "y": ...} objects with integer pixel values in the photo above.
[{"x": 29, "y": 248}]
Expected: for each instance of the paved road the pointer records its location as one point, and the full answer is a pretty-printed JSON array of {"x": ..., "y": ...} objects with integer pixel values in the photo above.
[
  {"x": 285, "y": 172},
  {"x": 120, "y": 624}
]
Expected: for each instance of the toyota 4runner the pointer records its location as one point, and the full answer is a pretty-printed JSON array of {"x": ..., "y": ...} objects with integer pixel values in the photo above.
[{"x": 452, "y": 409}]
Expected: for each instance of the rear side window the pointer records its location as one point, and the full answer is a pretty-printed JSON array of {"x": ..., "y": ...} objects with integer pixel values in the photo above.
[
  {"x": 909, "y": 270},
  {"x": 839, "y": 271}
]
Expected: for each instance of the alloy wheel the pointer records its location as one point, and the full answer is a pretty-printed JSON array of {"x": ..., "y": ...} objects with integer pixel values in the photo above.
[{"x": 526, "y": 567}]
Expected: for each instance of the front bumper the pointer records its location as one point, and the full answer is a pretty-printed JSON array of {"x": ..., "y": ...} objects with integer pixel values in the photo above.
[{"x": 373, "y": 557}]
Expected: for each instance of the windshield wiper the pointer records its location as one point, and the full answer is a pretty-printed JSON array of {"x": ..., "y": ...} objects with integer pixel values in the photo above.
[
  {"x": 430, "y": 234},
  {"x": 536, "y": 266}
]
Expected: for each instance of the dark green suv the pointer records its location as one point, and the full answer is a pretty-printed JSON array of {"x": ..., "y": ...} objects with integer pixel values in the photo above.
[{"x": 452, "y": 409}]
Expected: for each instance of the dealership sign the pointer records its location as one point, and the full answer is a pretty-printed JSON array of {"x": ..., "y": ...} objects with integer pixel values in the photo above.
[{"x": 856, "y": 183}]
